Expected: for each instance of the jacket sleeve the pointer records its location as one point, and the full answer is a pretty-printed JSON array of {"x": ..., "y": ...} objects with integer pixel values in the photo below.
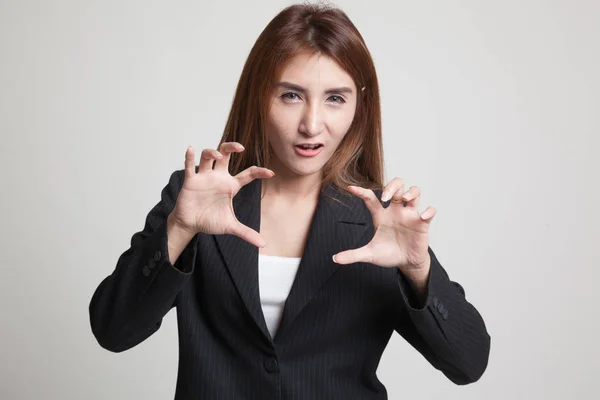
[
  {"x": 128, "y": 306},
  {"x": 446, "y": 328}
]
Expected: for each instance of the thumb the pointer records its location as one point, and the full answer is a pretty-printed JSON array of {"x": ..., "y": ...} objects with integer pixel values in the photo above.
[
  {"x": 248, "y": 234},
  {"x": 362, "y": 254}
]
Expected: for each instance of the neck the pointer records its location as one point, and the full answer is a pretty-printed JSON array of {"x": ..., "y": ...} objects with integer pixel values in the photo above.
[{"x": 293, "y": 187}]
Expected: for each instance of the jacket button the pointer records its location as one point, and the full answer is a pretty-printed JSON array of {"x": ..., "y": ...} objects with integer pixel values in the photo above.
[
  {"x": 157, "y": 255},
  {"x": 151, "y": 263},
  {"x": 445, "y": 315},
  {"x": 146, "y": 270},
  {"x": 435, "y": 301},
  {"x": 271, "y": 365}
]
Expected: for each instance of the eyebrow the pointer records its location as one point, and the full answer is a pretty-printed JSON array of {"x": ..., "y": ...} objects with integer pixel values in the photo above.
[{"x": 291, "y": 86}]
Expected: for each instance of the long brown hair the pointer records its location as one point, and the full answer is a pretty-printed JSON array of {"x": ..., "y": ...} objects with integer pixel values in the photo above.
[{"x": 319, "y": 29}]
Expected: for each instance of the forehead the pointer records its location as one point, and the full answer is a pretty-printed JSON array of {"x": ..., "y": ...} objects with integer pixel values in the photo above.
[{"x": 315, "y": 70}]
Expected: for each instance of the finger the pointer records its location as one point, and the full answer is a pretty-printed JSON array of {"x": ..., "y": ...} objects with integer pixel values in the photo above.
[
  {"x": 190, "y": 165},
  {"x": 428, "y": 214},
  {"x": 226, "y": 148},
  {"x": 206, "y": 159},
  {"x": 410, "y": 197},
  {"x": 392, "y": 187},
  {"x": 251, "y": 173},
  {"x": 369, "y": 197},
  {"x": 362, "y": 254},
  {"x": 248, "y": 234}
]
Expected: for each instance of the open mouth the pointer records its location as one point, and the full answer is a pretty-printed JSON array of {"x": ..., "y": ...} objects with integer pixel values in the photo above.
[
  {"x": 311, "y": 147},
  {"x": 308, "y": 150}
]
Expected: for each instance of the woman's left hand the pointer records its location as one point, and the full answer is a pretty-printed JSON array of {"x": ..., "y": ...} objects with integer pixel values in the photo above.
[{"x": 401, "y": 235}]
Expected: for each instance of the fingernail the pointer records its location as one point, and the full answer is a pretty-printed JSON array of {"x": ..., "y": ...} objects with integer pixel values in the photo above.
[
  {"x": 333, "y": 256},
  {"x": 384, "y": 197}
]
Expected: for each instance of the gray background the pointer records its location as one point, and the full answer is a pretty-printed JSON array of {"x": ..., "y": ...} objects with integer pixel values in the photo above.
[{"x": 491, "y": 107}]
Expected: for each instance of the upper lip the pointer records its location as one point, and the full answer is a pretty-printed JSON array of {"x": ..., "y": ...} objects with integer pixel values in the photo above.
[{"x": 308, "y": 144}]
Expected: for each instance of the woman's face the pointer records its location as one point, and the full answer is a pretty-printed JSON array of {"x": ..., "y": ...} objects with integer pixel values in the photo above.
[{"x": 314, "y": 103}]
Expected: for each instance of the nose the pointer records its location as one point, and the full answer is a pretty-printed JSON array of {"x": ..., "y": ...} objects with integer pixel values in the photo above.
[{"x": 313, "y": 120}]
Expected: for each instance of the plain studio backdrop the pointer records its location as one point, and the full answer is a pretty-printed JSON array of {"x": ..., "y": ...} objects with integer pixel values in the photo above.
[{"x": 490, "y": 107}]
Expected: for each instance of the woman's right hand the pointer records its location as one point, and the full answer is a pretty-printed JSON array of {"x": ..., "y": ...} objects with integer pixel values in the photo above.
[{"x": 204, "y": 203}]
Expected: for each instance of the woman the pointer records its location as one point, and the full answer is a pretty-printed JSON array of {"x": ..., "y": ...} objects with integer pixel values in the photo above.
[{"x": 288, "y": 274}]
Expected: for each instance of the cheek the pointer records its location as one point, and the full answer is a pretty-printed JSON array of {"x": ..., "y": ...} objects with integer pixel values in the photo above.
[
  {"x": 340, "y": 124},
  {"x": 282, "y": 124}
]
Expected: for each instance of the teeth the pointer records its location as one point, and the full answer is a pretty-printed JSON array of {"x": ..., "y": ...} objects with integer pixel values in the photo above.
[{"x": 310, "y": 147}]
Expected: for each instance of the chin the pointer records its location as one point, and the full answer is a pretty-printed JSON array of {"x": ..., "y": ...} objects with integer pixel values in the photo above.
[
  {"x": 304, "y": 170},
  {"x": 299, "y": 166}
]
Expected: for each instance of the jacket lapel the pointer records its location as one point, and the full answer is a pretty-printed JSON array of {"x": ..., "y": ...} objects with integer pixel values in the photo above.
[
  {"x": 337, "y": 225},
  {"x": 240, "y": 256}
]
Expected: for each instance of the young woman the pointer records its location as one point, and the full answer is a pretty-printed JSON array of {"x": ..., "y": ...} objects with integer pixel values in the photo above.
[{"x": 289, "y": 262}]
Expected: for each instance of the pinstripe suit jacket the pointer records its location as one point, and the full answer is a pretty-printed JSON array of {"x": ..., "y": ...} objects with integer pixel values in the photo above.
[{"x": 336, "y": 321}]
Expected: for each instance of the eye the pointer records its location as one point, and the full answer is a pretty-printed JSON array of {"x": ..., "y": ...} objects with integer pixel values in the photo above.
[
  {"x": 290, "y": 96},
  {"x": 340, "y": 99}
]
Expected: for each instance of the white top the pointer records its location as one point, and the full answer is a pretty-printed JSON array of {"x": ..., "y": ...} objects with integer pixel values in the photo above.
[{"x": 275, "y": 278}]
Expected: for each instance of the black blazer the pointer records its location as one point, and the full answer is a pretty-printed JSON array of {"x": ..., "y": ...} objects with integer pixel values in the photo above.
[{"x": 336, "y": 322}]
